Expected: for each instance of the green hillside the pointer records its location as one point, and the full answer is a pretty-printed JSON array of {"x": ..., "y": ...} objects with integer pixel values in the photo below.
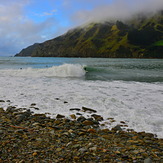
[{"x": 140, "y": 37}]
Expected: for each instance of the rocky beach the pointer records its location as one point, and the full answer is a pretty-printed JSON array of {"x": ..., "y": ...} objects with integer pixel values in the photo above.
[
  {"x": 81, "y": 81},
  {"x": 28, "y": 137}
]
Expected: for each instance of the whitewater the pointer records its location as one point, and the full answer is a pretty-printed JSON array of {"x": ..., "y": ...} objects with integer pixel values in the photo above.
[{"x": 127, "y": 90}]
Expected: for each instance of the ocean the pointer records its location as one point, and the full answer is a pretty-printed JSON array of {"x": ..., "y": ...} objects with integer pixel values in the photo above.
[{"x": 129, "y": 90}]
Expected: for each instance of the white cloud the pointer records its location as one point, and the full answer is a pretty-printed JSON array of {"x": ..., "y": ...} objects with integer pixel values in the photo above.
[
  {"x": 119, "y": 9},
  {"x": 17, "y": 31},
  {"x": 48, "y": 13}
]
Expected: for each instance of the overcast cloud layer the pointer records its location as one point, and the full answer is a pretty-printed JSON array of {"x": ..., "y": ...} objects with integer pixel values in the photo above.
[
  {"x": 24, "y": 22},
  {"x": 119, "y": 9}
]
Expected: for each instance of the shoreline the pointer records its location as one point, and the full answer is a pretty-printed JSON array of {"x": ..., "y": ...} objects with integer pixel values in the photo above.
[{"x": 35, "y": 137}]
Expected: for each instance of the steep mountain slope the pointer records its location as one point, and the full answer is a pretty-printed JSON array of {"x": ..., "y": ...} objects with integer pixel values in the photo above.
[{"x": 141, "y": 37}]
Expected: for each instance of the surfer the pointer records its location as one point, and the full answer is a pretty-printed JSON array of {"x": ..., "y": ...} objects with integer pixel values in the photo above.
[{"x": 85, "y": 69}]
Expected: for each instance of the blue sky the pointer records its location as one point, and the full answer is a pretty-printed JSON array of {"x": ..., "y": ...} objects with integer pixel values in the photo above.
[{"x": 25, "y": 22}]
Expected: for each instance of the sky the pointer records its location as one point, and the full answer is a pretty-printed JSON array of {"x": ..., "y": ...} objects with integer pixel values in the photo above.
[{"x": 25, "y": 22}]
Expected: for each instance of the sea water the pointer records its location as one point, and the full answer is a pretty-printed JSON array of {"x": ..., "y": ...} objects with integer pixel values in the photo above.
[{"x": 129, "y": 90}]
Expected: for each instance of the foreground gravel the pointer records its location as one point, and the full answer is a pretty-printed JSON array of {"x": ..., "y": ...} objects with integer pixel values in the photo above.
[{"x": 27, "y": 137}]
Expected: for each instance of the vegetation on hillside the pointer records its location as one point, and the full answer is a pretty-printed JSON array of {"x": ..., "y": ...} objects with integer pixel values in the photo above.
[{"x": 141, "y": 37}]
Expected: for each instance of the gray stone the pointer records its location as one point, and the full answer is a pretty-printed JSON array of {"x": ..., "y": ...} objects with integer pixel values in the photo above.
[
  {"x": 148, "y": 160},
  {"x": 20, "y": 131},
  {"x": 11, "y": 109},
  {"x": 88, "y": 109},
  {"x": 93, "y": 149},
  {"x": 117, "y": 128},
  {"x": 36, "y": 124},
  {"x": 76, "y": 109},
  {"x": 81, "y": 119},
  {"x": 1, "y": 131},
  {"x": 60, "y": 116},
  {"x": 82, "y": 150},
  {"x": 33, "y": 104},
  {"x": 97, "y": 117}
]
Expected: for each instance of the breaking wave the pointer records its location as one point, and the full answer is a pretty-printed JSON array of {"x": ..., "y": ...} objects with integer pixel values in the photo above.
[{"x": 65, "y": 70}]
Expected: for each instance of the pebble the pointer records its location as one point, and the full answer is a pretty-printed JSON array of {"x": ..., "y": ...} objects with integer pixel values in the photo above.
[
  {"x": 148, "y": 160},
  {"x": 81, "y": 119},
  {"x": 37, "y": 138},
  {"x": 76, "y": 109},
  {"x": 1, "y": 131},
  {"x": 117, "y": 128},
  {"x": 83, "y": 149},
  {"x": 87, "y": 122},
  {"x": 33, "y": 104},
  {"x": 73, "y": 116},
  {"x": 85, "y": 109},
  {"x": 60, "y": 116},
  {"x": 97, "y": 117},
  {"x": 93, "y": 149}
]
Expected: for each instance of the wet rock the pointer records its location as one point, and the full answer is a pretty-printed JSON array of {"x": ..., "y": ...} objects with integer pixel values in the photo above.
[
  {"x": 33, "y": 104},
  {"x": 125, "y": 157},
  {"x": 106, "y": 130},
  {"x": 58, "y": 149},
  {"x": 87, "y": 122},
  {"x": 81, "y": 119},
  {"x": 1, "y": 110},
  {"x": 73, "y": 116},
  {"x": 10, "y": 108},
  {"x": 76, "y": 146},
  {"x": 150, "y": 135},
  {"x": 35, "y": 154},
  {"x": 123, "y": 122},
  {"x": 1, "y": 132},
  {"x": 97, "y": 117},
  {"x": 36, "y": 108},
  {"x": 76, "y": 109},
  {"x": 19, "y": 118},
  {"x": 27, "y": 113},
  {"x": 76, "y": 158},
  {"x": 60, "y": 116},
  {"x": 23, "y": 116},
  {"x": 91, "y": 130},
  {"x": 19, "y": 131},
  {"x": 117, "y": 128},
  {"x": 82, "y": 150},
  {"x": 36, "y": 124},
  {"x": 85, "y": 109},
  {"x": 93, "y": 149},
  {"x": 65, "y": 102},
  {"x": 78, "y": 114}
]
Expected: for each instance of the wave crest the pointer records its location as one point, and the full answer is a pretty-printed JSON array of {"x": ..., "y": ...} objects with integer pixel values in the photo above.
[{"x": 65, "y": 70}]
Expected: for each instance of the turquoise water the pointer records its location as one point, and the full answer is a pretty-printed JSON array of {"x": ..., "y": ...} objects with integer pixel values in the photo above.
[{"x": 142, "y": 70}]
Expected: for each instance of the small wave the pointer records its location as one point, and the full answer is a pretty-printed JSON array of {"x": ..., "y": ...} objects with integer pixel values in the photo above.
[{"x": 65, "y": 70}]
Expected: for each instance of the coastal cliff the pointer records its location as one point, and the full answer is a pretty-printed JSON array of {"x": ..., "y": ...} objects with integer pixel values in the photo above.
[{"x": 139, "y": 37}]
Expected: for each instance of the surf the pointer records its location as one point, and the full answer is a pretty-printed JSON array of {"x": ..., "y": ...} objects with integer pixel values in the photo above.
[{"x": 64, "y": 70}]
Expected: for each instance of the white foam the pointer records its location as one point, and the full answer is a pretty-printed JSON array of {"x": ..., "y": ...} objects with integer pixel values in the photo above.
[
  {"x": 65, "y": 70},
  {"x": 141, "y": 104}
]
